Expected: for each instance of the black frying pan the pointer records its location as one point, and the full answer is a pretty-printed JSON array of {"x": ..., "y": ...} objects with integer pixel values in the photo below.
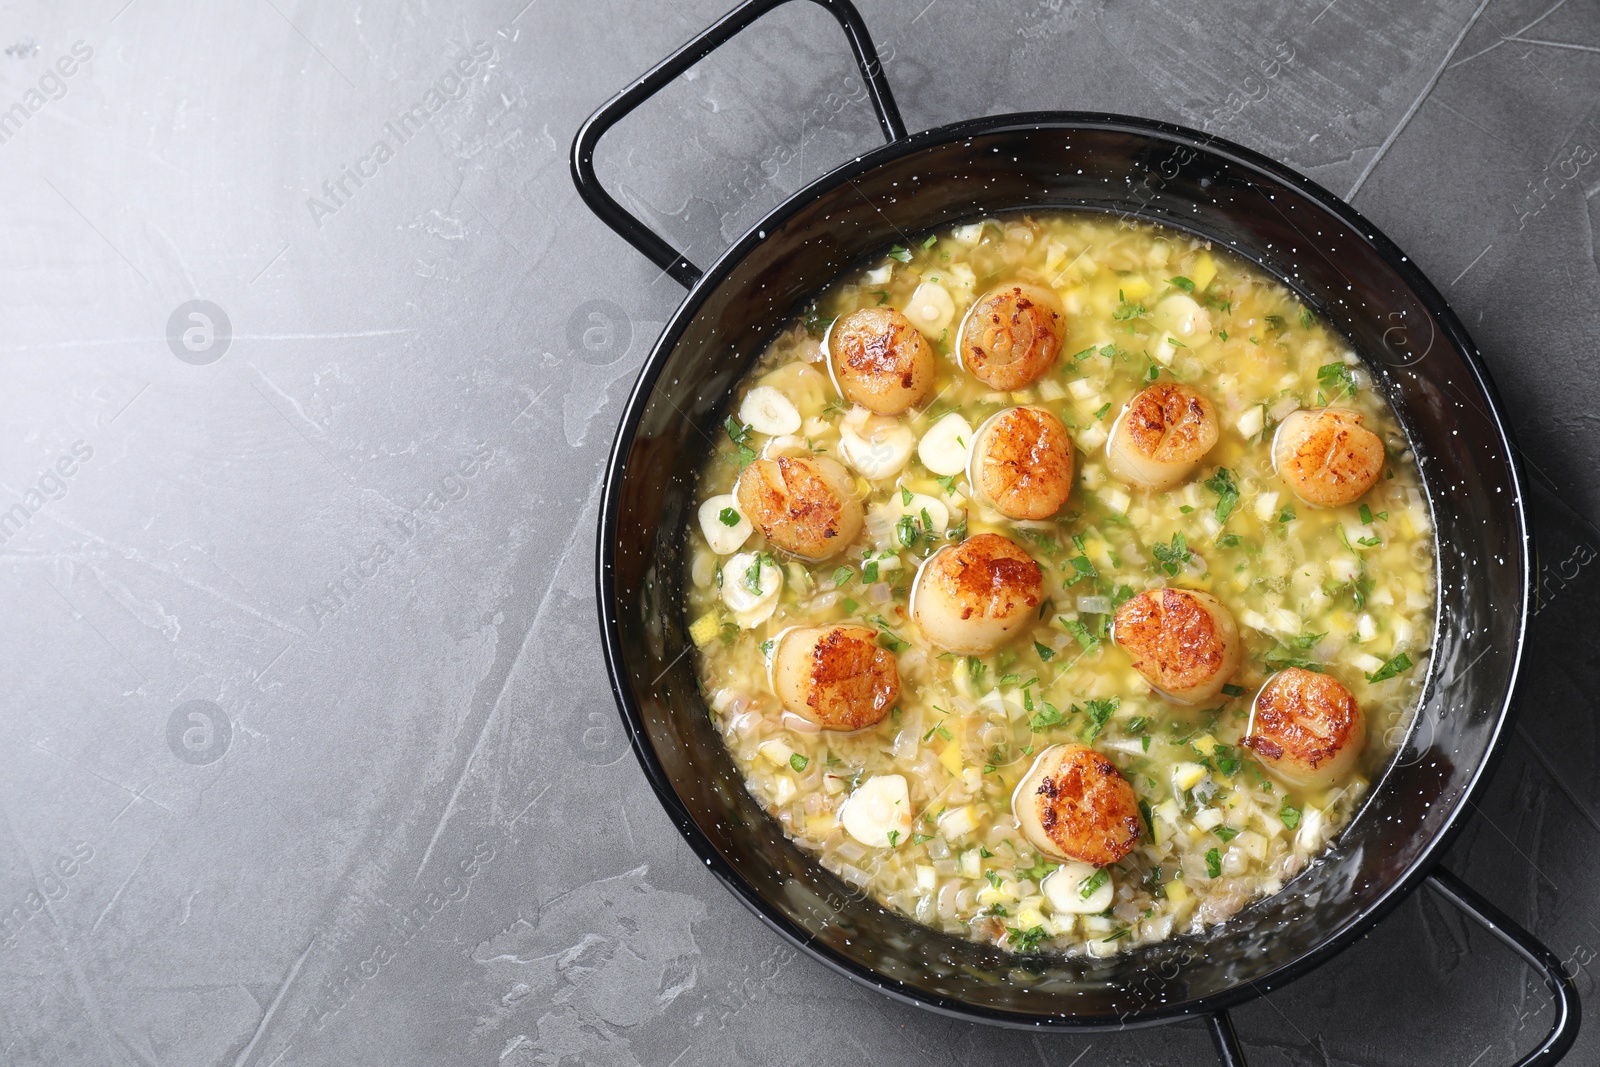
[{"x": 1338, "y": 263}]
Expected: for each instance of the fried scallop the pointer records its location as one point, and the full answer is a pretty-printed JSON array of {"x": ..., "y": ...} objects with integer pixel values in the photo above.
[
  {"x": 1012, "y": 335},
  {"x": 1074, "y": 804},
  {"x": 1306, "y": 728},
  {"x": 835, "y": 676},
  {"x": 880, "y": 360},
  {"x": 805, "y": 506},
  {"x": 1184, "y": 642},
  {"x": 1326, "y": 456},
  {"x": 1021, "y": 463},
  {"x": 1161, "y": 435},
  {"x": 970, "y": 598}
]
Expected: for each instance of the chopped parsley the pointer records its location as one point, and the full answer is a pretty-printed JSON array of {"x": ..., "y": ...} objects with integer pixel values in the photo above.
[
  {"x": 1227, "y": 833},
  {"x": 1214, "y": 862},
  {"x": 947, "y": 483},
  {"x": 1222, "y": 484},
  {"x": 1226, "y": 763},
  {"x": 1395, "y": 666},
  {"x": 815, "y": 322},
  {"x": 1037, "y": 872},
  {"x": 900, "y": 254},
  {"x": 752, "y": 573},
  {"x": 1126, "y": 310},
  {"x": 1183, "y": 283},
  {"x": 1046, "y": 653},
  {"x": 1026, "y": 940},
  {"x": 1290, "y": 815},
  {"x": 798, "y": 762},
  {"x": 739, "y": 434},
  {"x": 1281, "y": 658},
  {"x": 728, "y": 517},
  {"x": 1229, "y": 689},
  {"x": 1171, "y": 558},
  {"x": 842, "y": 576},
  {"x": 1103, "y": 409},
  {"x": 906, "y": 531},
  {"x": 1337, "y": 379},
  {"x": 894, "y": 838},
  {"x": 1287, "y": 514},
  {"x": 1087, "y": 887},
  {"x": 1366, "y": 515},
  {"x": 1086, "y": 640},
  {"x": 1099, "y": 712},
  {"x": 1046, "y": 718}
]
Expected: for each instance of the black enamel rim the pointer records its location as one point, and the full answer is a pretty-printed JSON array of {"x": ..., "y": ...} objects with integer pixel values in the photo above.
[{"x": 1224, "y": 151}]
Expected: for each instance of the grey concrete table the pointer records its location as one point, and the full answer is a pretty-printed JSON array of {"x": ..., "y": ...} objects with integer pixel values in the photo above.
[{"x": 306, "y": 756}]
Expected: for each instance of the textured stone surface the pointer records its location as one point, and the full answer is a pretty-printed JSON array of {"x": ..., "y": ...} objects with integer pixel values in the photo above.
[{"x": 403, "y": 826}]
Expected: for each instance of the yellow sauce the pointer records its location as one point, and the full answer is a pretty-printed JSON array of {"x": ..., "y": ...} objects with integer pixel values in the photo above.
[{"x": 1348, "y": 589}]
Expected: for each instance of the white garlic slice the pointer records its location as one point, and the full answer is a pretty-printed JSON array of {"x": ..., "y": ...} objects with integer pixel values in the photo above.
[
  {"x": 766, "y": 410},
  {"x": 875, "y": 445},
  {"x": 1180, "y": 314},
  {"x": 1064, "y": 888},
  {"x": 723, "y": 539},
  {"x": 944, "y": 448},
  {"x": 931, "y": 309},
  {"x": 740, "y": 573},
  {"x": 880, "y": 806}
]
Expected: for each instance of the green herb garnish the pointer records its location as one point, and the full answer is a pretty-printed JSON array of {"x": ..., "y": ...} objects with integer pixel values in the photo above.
[
  {"x": 1171, "y": 558},
  {"x": 1099, "y": 712},
  {"x": 1227, "y": 491},
  {"x": 1337, "y": 379},
  {"x": 1026, "y": 940},
  {"x": 1399, "y": 663}
]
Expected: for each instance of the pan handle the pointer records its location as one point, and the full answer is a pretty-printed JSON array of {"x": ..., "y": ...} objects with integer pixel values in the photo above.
[
  {"x": 635, "y": 232},
  {"x": 1568, "y": 1014}
]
